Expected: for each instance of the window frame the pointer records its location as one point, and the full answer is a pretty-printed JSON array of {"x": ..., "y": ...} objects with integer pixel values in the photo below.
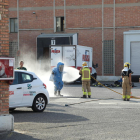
[
  {"x": 60, "y": 24},
  {"x": 20, "y": 76},
  {"x": 17, "y": 78},
  {"x": 14, "y": 25}
]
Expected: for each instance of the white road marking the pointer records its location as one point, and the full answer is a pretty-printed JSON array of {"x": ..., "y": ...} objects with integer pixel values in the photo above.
[
  {"x": 74, "y": 98},
  {"x": 109, "y": 103}
]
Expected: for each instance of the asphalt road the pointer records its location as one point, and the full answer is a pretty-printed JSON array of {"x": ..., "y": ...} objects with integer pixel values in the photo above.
[{"x": 103, "y": 117}]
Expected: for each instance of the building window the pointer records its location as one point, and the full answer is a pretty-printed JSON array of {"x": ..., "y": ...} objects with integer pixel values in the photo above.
[
  {"x": 59, "y": 24},
  {"x": 108, "y": 56},
  {"x": 13, "y": 25},
  {"x": 13, "y": 49}
]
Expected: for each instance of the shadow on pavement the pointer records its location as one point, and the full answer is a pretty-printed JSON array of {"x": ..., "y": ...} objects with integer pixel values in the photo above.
[
  {"x": 16, "y": 136},
  {"x": 45, "y": 117}
]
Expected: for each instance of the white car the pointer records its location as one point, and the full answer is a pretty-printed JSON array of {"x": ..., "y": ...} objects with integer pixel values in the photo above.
[{"x": 27, "y": 90}]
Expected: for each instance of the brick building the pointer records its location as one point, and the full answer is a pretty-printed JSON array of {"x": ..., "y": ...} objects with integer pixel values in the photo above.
[
  {"x": 6, "y": 120},
  {"x": 4, "y": 50},
  {"x": 99, "y": 24}
]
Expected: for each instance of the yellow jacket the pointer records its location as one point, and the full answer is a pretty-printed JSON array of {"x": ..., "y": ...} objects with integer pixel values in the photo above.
[{"x": 85, "y": 72}]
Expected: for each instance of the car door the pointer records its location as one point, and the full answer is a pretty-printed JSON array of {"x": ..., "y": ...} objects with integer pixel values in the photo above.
[
  {"x": 28, "y": 92},
  {"x": 15, "y": 92}
]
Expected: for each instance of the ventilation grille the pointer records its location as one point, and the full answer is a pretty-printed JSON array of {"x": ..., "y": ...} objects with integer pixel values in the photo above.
[
  {"x": 108, "y": 56},
  {"x": 13, "y": 48}
]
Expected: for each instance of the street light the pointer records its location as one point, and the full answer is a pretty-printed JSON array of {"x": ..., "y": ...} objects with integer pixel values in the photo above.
[{"x": 35, "y": 14}]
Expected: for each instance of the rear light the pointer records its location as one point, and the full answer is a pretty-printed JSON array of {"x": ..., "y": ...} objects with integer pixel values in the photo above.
[{"x": 44, "y": 86}]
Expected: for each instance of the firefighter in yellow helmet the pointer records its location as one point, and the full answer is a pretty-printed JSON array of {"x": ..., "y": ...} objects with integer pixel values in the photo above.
[
  {"x": 85, "y": 75},
  {"x": 126, "y": 81}
]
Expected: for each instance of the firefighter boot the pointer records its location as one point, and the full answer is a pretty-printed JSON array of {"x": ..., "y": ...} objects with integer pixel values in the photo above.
[
  {"x": 124, "y": 97},
  {"x": 89, "y": 96},
  {"x": 59, "y": 93},
  {"x": 84, "y": 96}
]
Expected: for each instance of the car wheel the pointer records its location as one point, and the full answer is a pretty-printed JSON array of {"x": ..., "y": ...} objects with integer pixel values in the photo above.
[
  {"x": 12, "y": 109},
  {"x": 39, "y": 103}
]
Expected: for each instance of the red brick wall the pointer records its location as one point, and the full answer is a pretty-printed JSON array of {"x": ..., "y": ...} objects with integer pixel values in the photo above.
[
  {"x": 126, "y": 15},
  {"x": 4, "y": 50}
]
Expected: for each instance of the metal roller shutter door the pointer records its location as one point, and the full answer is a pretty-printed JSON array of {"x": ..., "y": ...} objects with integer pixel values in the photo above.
[{"x": 135, "y": 57}]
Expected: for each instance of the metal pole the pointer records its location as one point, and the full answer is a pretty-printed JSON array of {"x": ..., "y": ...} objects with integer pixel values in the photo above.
[
  {"x": 102, "y": 37},
  {"x": 64, "y": 14},
  {"x": 114, "y": 38},
  {"x": 18, "y": 25},
  {"x": 54, "y": 15}
]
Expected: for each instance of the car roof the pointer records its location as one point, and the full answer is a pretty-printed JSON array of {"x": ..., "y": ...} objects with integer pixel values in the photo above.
[{"x": 30, "y": 72}]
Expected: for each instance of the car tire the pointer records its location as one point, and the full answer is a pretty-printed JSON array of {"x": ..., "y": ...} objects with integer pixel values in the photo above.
[
  {"x": 12, "y": 109},
  {"x": 39, "y": 103}
]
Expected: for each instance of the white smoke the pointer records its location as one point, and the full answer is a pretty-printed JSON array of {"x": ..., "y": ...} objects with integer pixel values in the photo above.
[
  {"x": 70, "y": 74},
  {"x": 42, "y": 69}
]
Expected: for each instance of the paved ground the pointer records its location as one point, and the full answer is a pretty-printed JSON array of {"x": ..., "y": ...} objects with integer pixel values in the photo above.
[{"x": 103, "y": 117}]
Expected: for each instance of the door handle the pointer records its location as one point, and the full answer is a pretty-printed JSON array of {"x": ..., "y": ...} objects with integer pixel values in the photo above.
[{"x": 19, "y": 88}]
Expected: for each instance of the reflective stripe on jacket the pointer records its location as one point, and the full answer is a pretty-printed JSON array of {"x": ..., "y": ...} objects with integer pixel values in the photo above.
[{"x": 85, "y": 71}]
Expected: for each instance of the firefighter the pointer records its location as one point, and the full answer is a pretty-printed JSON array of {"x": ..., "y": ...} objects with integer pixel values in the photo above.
[
  {"x": 57, "y": 73},
  {"x": 21, "y": 66},
  {"x": 126, "y": 81},
  {"x": 85, "y": 74}
]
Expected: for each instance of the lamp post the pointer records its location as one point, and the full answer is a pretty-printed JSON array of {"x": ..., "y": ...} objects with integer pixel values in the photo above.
[
  {"x": 54, "y": 16},
  {"x": 18, "y": 25}
]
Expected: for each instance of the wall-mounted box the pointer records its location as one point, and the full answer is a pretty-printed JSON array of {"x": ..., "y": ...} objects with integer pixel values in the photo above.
[{"x": 7, "y": 68}]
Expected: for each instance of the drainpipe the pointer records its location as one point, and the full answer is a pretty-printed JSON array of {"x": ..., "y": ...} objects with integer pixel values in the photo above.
[
  {"x": 114, "y": 39},
  {"x": 64, "y": 15},
  {"x": 18, "y": 25},
  {"x": 54, "y": 16},
  {"x": 102, "y": 37}
]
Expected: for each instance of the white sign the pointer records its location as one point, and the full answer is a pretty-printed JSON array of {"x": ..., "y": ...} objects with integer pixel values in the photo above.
[
  {"x": 52, "y": 42},
  {"x": 11, "y": 62}
]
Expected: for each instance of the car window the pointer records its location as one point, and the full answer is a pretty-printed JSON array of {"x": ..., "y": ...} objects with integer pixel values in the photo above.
[
  {"x": 26, "y": 78},
  {"x": 16, "y": 79}
]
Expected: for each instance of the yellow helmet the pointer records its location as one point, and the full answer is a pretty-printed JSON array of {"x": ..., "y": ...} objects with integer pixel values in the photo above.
[
  {"x": 84, "y": 64},
  {"x": 127, "y": 64}
]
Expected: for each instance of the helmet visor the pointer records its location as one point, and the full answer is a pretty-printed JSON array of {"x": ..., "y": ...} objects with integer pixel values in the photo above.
[{"x": 61, "y": 67}]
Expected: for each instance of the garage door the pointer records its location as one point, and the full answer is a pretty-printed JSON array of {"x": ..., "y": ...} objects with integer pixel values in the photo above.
[{"x": 135, "y": 57}]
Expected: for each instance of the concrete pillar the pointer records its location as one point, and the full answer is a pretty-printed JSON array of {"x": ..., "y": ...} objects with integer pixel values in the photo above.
[{"x": 6, "y": 120}]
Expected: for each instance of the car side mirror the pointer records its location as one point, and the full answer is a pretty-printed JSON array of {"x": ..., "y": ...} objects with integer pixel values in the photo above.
[
  {"x": 96, "y": 65},
  {"x": 10, "y": 82}
]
